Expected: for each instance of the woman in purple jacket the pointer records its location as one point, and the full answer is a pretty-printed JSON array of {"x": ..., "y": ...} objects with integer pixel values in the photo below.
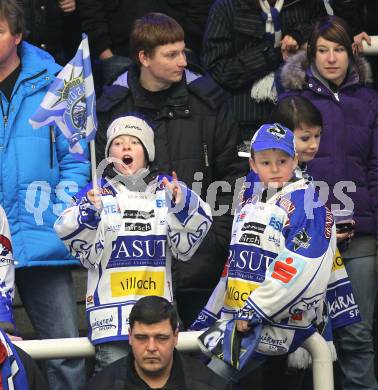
[{"x": 334, "y": 80}]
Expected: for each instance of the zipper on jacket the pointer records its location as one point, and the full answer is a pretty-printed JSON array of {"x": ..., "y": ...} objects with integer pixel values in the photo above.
[
  {"x": 206, "y": 155},
  {"x": 336, "y": 94},
  {"x": 170, "y": 291},
  {"x": 52, "y": 141},
  {"x": 5, "y": 115}
]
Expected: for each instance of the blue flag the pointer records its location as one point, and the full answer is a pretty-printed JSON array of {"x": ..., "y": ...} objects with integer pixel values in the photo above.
[
  {"x": 12, "y": 371},
  {"x": 70, "y": 102}
]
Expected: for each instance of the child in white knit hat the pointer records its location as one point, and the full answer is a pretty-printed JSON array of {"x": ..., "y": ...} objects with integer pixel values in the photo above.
[{"x": 127, "y": 232}]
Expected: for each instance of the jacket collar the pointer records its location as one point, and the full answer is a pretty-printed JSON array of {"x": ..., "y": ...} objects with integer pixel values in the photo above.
[
  {"x": 38, "y": 67},
  {"x": 178, "y": 91},
  {"x": 297, "y": 74},
  {"x": 175, "y": 381},
  {"x": 129, "y": 82}
]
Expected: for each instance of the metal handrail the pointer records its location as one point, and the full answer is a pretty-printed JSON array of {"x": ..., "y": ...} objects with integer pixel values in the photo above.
[{"x": 322, "y": 368}]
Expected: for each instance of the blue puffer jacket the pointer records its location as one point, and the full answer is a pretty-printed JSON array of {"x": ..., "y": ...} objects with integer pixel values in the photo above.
[
  {"x": 31, "y": 166},
  {"x": 349, "y": 144}
]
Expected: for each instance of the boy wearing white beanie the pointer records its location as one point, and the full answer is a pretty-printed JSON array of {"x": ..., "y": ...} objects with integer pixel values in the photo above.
[{"x": 127, "y": 232}]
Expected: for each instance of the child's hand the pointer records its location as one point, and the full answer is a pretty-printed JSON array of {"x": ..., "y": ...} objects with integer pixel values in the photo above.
[
  {"x": 95, "y": 198},
  {"x": 173, "y": 187},
  {"x": 243, "y": 326}
]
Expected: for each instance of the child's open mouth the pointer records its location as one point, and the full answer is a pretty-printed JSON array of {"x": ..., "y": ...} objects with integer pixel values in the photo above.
[{"x": 127, "y": 160}]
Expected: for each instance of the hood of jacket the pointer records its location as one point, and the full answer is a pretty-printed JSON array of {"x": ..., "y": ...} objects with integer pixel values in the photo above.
[
  {"x": 36, "y": 61},
  {"x": 294, "y": 72}
]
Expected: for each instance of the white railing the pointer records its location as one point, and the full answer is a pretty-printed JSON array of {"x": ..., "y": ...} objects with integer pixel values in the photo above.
[{"x": 322, "y": 369}]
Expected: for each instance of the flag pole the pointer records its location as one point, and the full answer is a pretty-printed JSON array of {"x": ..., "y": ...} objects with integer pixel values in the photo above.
[{"x": 92, "y": 148}]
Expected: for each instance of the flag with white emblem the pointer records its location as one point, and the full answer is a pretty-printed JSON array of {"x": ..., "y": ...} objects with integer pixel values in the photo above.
[{"x": 70, "y": 102}]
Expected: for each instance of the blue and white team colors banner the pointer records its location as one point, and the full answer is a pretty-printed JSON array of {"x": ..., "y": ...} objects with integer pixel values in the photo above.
[{"x": 70, "y": 102}]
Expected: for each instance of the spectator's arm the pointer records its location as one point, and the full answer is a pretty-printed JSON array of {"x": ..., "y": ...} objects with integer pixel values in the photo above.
[
  {"x": 81, "y": 230},
  {"x": 188, "y": 221},
  {"x": 92, "y": 13}
]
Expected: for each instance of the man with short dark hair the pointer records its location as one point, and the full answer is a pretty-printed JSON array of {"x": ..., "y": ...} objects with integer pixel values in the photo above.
[
  {"x": 195, "y": 135},
  {"x": 153, "y": 362}
]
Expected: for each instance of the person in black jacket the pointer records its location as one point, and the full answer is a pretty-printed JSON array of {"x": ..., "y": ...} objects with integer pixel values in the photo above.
[
  {"x": 54, "y": 26},
  {"x": 153, "y": 362},
  {"x": 195, "y": 135},
  {"x": 239, "y": 53}
]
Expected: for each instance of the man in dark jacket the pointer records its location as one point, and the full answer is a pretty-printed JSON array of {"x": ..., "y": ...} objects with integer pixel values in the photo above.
[
  {"x": 238, "y": 51},
  {"x": 194, "y": 135},
  {"x": 53, "y": 26},
  {"x": 153, "y": 362}
]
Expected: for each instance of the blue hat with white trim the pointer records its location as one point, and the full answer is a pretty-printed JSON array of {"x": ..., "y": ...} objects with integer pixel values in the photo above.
[{"x": 274, "y": 136}]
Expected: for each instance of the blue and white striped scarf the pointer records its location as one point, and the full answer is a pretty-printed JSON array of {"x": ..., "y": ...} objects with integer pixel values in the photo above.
[
  {"x": 271, "y": 16},
  {"x": 328, "y": 6},
  {"x": 264, "y": 89}
]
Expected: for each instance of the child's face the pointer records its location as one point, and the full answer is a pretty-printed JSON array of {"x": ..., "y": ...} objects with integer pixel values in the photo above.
[
  {"x": 274, "y": 167},
  {"x": 307, "y": 139},
  {"x": 130, "y": 151}
]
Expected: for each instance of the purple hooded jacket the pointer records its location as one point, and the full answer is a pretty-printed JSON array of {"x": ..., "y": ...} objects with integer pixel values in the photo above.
[{"x": 349, "y": 145}]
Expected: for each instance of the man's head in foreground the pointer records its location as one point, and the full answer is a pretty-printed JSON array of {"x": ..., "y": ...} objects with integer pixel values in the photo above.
[{"x": 153, "y": 335}]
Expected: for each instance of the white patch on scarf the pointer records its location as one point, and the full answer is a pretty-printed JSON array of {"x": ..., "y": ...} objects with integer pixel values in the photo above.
[
  {"x": 269, "y": 25},
  {"x": 264, "y": 88}
]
